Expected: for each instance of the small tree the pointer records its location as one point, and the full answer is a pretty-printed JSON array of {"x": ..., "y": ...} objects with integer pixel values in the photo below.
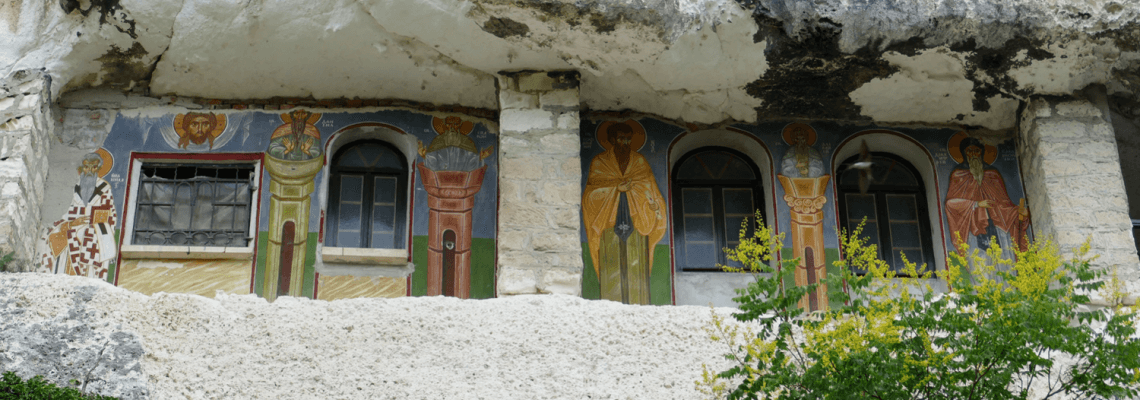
[{"x": 1006, "y": 329}]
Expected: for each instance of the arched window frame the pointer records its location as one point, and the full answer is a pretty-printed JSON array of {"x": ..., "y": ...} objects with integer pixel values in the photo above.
[
  {"x": 346, "y": 261},
  {"x": 920, "y": 158},
  {"x": 725, "y": 235},
  {"x": 368, "y": 177},
  {"x": 882, "y": 193}
]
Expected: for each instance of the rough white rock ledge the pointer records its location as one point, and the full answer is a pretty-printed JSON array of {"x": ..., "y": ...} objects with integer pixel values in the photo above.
[{"x": 241, "y": 347}]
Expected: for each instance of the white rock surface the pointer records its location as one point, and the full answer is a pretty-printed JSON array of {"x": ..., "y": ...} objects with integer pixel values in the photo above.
[{"x": 521, "y": 347}]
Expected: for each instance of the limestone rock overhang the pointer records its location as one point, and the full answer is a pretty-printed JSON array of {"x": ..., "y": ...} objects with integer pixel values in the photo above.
[{"x": 941, "y": 62}]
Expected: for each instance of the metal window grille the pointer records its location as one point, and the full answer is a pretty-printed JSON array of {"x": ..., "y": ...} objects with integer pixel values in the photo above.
[{"x": 194, "y": 205}]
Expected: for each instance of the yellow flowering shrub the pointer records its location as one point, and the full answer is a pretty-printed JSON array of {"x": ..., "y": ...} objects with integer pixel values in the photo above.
[{"x": 983, "y": 328}]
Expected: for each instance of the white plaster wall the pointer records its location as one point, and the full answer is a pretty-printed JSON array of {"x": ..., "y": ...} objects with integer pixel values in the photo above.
[
  {"x": 520, "y": 347},
  {"x": 708, "y": 288}
]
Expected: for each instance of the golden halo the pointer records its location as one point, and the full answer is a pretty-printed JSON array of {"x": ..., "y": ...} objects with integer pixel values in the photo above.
[
  {"x": 989, "y": 154},
  {"x": 637, "y": 141},
  {"x": 440, "y": 125},
  {"x": 797, "y": 125},
  {"x": 108, "y": 162}
]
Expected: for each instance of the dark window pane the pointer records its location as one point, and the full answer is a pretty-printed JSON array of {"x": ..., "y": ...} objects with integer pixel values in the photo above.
[
  {"x": 699, "y": 229},
  {"x": 700, "y": 255},
  {"x": 351, "y": 188},
  {"x": 860, "y": 206},
  {"x": 349, "y": 218},
  {"x": 906, "y": 235},
  {"x": 383, "y": 219},
  {"x": 201, "y": 205},
  {"x": 384, "y": 190},
  {"x": 902, "y": 207},
  {"x": 738, "y": 202},
  {"x": 697, "y": 201},
  {"x": 384, "y": 241}
]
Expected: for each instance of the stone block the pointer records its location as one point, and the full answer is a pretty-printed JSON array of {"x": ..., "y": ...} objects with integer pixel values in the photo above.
[
  {"x": 525, "y": 120},
  {"x": 567, "y": 217},
  {"x": 30, "y": 101},
  {"x": 522, "y": 215},
  {"x": 1076, "y": 108},
  {"x": 560, "y": 241},
  {"x": 572, "y": 168},
  {"x": 535, "y": 82},
  {"x": 560, "y": 98},
  {"x": 560, "y": 281},
  {"x": 514, "y": 239},
  {"x": 561, "y": 193},
  {"x": 527, "y": 168},
  {"x": 1039, "y": 108},
  {"x": 516, "y": 100},
  {"x": 561, "y": 143},
  {"x": 569, "y": 121},
  {"x": 513, "y": 281}
]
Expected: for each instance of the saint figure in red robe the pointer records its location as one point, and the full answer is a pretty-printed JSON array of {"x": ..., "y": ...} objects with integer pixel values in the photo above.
[{"x": 978, "y": 207}]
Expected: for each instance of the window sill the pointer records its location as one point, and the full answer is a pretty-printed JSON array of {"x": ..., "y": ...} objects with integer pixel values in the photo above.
[
  {"x": 131, "y": 251},
  {"x": 357, "y": 256}
]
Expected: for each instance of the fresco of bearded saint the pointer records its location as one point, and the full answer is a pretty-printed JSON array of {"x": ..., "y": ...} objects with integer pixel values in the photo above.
[{"x": 198, "y": 128}]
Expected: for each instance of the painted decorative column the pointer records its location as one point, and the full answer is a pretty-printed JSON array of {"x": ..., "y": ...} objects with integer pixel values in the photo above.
[
  {"x": 452, "y": 173},
  {"x": 805, "y": 186},
  {"x": 293, "y": 163},
  {"x": 805, "y": 197}
]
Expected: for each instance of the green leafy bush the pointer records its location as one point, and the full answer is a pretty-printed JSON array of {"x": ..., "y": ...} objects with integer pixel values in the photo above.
[
  {"x": 14, "y": 388},
  {"x": 1006, "y": 330}
]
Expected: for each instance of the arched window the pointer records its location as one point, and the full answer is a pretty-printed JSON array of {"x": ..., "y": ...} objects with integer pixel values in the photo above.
[
  {"x": 714, "y": 189},
  {"x": 368, "y": 194},
  {"x": 894, "y": 207}
]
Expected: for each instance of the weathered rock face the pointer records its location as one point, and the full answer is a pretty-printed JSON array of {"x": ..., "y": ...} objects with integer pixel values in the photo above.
[
  {"x": 51, "y": 328},
  {"x": 966, "y": 62},
  {"x": 184, "y": 346}
]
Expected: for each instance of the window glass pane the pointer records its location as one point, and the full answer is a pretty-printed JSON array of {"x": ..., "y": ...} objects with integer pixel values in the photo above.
[
  {"x": 383, "y": 219},
  {"x": 902, "y": 207},
  {"x": 370, "y": 155},
  {"x": 348, "y": 239},
  {"x": 183, "y": 206},
  {"x": 383, "y": 241},
  {"x": 700, "y": 255},
  {"x": 698, "y": 229},
  {"x": 860, "y": 206},
  {"x": 193, "y": 205},
  {"x": 348, "y": 220},
  {"x": 351, "y": 188},
  {"x": 892, "y": 172},
  {"x": 692, "y": 169},
  {"x": 738, "y": 202},
  {"x": 697, "y": 201},
  {"x": 384, "y": 190},
  {"x": 715, "y": 165},
  {"x": 905, "y": 235}
]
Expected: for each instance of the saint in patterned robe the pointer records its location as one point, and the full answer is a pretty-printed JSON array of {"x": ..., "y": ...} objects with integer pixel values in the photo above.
[{"x": 83, "y": 247}]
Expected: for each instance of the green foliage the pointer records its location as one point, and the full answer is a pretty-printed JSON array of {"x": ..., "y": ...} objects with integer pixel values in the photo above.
[
  {"x": 1007, "y": 330},
  {"x": 13, "y": 388},
  {"x": 5, "y": 260}
]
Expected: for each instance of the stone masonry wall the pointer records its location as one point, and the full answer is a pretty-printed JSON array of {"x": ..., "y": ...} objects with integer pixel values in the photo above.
[
  {"x": 540, "y": 184},
  {"x": 1071, "y": 171},
  {"x": 25, "y": 131}
]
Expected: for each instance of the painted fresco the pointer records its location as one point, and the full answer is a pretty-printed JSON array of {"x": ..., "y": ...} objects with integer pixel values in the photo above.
[
  {"x": 289, "y": 146},
  {"x": 978, "y": 207},
  {"x": 452, "y": 174},
  {"x": 802, "y": 188},
  {"x": 804, "y": 184},
  {"x": 83, "y": 242},
  {"x": 624, "y": 213}
]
